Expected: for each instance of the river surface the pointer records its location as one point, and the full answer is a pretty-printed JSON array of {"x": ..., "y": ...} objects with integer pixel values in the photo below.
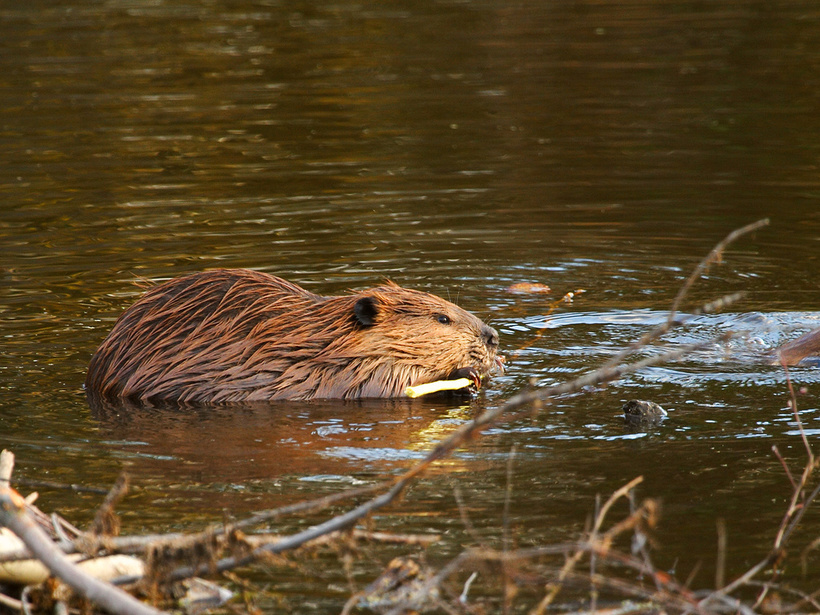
[{"x": 457, "y": 147}]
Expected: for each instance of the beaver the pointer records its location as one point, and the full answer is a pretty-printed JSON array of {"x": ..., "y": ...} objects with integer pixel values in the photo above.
[
  {"x": 805, "y": 349},
  {"x": 232, "y": 335}
]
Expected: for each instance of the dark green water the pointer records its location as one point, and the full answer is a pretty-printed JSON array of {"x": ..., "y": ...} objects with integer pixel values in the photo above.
[{"x": 455, "y": 147}]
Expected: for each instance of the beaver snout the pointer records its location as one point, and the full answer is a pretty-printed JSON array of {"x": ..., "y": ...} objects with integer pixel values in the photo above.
[{"x": 490, "y": 336}]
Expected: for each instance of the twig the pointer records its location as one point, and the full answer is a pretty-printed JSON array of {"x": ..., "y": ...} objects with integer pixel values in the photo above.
[
  {"x": 670, "y": 593},
  {"x": 465, "y": 516},
  {"x": 424, "y": 540},
  {"x": 619, "y": 493},
  {"x": 793, "y": 404},
  {"x": 463, "y": 597},
  {"x": 105, "y": 521},
  {"x": 141, "y": 544},
  {"x": 297, "y": 540},
  {"x": 52, "y": 485},
  {"x": 720, "y": 565},
  {"x": 24, "y": 600},
  {"x": 648, "y": 514},
  {"x": 12, "y": 603},
  {"x": 572, "y": 561},
  {"x": 702, "y": 266},
  {"x": 507, "y": 498},
  {"x": 783, "y": 463},
  {"x": 713, "y": 257},
  {"x": 6, "y": 467}
]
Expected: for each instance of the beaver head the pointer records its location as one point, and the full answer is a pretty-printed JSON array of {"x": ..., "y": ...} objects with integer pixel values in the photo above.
[{"x": 234, "y": 335}]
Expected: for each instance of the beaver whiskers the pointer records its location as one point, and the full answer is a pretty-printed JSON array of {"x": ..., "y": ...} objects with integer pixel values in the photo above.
[{"x": 234, "y": 335}]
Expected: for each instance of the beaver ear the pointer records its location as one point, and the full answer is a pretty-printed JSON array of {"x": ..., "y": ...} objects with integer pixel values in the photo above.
[{"x": 365, "y": 311}]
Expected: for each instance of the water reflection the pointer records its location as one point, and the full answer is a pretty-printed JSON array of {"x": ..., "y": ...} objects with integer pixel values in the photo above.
[{"x": 238, "y": 442}]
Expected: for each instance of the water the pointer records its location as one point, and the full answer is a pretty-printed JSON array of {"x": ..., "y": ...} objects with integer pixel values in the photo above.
[{"x": 455, "y": 147}]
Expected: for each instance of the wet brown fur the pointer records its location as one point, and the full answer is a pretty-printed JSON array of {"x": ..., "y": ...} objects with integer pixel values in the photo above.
[
  {"x": 235, "y": 335},
  {"x": 804, "y": 347}
]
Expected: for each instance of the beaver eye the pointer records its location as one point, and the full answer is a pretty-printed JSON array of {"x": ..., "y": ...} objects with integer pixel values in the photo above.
[{"x": 443, "y": 319}]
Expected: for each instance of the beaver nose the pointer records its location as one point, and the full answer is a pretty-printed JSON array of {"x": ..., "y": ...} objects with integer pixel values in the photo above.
[{"x": 490, "y": 336}]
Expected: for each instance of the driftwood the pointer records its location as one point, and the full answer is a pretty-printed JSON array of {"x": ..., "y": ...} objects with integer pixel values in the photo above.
[
  {"x": 407, "y": 586},
  {"x": 13, "y": 515}
]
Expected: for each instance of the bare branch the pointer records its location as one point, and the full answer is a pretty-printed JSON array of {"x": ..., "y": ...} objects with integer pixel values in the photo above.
[{"x": 13, "y": 516}]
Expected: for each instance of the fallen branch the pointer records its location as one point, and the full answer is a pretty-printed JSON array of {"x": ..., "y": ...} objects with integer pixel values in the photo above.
[{"x": 13, "y": 516}]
